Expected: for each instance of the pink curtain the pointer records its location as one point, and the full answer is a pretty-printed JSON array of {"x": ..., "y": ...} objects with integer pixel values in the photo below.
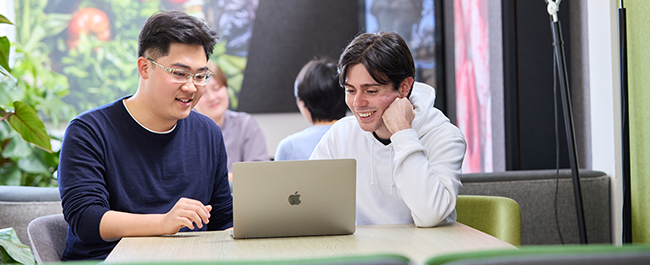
[{"x": 473, "y": 98}]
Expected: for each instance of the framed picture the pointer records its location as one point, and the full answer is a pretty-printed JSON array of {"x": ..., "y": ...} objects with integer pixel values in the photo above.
[{"x": 419, "y": 23}]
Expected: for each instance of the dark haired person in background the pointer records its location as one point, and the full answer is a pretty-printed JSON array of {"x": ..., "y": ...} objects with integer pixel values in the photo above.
[
  {"x": 147, "y": 164},
  {"x": 408, "y": 154},
  {"x": 321, "y": 101}
]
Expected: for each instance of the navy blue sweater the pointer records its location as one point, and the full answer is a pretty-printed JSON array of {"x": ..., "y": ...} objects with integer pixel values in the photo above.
[{"x": 109, "y": 162}]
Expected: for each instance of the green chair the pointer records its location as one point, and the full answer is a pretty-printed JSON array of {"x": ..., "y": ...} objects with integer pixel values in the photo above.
[
  {"x": 497, "y": 216},
  {"x": 551, "y": 254}
]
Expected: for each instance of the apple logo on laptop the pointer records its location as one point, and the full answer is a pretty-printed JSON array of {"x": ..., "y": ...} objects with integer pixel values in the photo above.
[{"x": 294, "y": 199}]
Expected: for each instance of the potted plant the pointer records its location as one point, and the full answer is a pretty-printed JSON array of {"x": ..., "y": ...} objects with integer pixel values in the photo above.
[{"x": 26, "y": 154}]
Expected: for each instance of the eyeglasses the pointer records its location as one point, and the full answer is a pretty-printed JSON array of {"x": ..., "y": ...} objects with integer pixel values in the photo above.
[{"x": 181, "y": 76}]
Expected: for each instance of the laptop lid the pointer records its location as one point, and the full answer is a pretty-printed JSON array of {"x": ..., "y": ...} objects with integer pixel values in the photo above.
[{"x": 294, "y": 198}]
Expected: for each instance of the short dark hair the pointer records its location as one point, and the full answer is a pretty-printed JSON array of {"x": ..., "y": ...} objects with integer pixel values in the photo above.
[
  {"x": 165, "y": 28},
  {"x": 317, "y": 86},
  {"x": 385, "y": 55}
]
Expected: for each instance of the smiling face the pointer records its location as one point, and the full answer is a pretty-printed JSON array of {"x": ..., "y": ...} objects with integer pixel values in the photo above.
[
  {"x": 367, "y": 99},
  {"x": 214, "y": 102},
  {"x": 160, "y": 101}
]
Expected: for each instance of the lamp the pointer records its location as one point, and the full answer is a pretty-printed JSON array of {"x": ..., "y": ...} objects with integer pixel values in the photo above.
[{"x": 553, "y": 7}]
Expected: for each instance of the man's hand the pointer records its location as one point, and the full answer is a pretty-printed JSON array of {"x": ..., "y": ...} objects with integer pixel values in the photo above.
[
  {"x": 184, "y": 213},
  {"x": 115, "y": 225},
  {"x": 398, "y": 115}
]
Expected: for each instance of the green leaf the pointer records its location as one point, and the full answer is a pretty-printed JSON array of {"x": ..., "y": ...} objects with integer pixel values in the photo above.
[
  {"x": 7, "y": 81},
  {"x": 231, "y": 65},
  {"x": 11, "y": 244},
  {"x": 237, "y": 61},
  {"x": 38, "y": 33},
  {"x": 26, "y": 122},
  {"x": 17, "y": 148},
  {"x": 6, "y": 131},
  {"x": 219, "y": 49},
  {"x": 10, "y": 176},
  {"x": 4, "y": 20},
  {"x": 34, "y": 165},
  {"x": 4, "y": 53}
]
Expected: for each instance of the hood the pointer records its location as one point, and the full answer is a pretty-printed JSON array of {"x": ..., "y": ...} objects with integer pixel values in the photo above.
[
  {"x": 426, "y": 119},
  {"x": 426, "y": 116}
]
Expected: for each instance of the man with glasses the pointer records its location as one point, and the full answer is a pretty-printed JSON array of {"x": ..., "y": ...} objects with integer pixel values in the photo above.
[{"x": 147, "y": 164}]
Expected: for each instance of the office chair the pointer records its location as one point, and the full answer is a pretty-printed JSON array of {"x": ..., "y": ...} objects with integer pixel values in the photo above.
[
  {"x": 497, "y": 216},
  {"x": 47, "y": 236}
]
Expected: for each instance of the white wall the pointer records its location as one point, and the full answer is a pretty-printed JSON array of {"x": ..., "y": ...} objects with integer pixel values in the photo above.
[{"x": 605, "y": 100}]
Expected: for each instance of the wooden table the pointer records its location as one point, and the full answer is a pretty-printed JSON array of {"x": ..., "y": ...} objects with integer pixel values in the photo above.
[{"x": 418, "y": 244}]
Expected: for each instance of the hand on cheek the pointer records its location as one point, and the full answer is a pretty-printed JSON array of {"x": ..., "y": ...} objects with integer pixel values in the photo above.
[{"x": 398, "y": 115}]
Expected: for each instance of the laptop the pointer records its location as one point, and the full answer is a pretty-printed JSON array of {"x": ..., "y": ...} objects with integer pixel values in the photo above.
[{"x": 294, "y": 198}]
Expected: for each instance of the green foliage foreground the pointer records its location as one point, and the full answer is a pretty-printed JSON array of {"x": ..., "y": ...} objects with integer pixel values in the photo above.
[{"x": 12, "y": 250}]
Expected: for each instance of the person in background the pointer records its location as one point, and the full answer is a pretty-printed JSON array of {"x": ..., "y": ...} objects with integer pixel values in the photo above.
[
  {"x": 408, "y": 154},
  {"x": 321, "y": 101},
  {"x": 243, "y": 137},
  {"x": 146, "y": 164}
]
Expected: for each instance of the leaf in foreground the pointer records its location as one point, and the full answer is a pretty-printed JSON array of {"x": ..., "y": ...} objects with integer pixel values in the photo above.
[
  {"x": 13, "y": 248},
  {"x": 26, "y": 122}
]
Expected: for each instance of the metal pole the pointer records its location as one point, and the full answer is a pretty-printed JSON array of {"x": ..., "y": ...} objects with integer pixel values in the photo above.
[
  {"x": 558, "y": 44},
  {"x": 627, "y": 198}
]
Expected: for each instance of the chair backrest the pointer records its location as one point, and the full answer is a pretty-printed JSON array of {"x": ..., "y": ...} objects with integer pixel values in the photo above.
[
  {"x": 497, "y": 216},
  {"x": 597, "y": 254},
  {"x": 47, "y": 236}
]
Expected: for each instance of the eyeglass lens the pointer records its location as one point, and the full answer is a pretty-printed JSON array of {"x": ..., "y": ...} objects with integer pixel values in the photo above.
[{"x": 182, "y": 77}]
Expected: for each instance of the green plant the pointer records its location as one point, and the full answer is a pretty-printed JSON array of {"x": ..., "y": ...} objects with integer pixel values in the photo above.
[
  {"x": 233, "y": 67},
  {"x": 28, "y": 89},
  {"x": 102, "y": 69},
  {"x": 38, "y": 85},
  {"x": 12, "y": 250}
]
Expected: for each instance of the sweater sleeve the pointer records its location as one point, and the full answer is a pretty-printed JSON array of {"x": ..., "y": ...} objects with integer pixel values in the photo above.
[
  {"x": 84, "y": 196},
  {"x": 221, "y": 201},
  {"x": 427, "y": 175}
]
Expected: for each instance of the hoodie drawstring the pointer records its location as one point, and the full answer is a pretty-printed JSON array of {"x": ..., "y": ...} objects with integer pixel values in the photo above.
[
  {"x": 392, "y": 172},
  {"x": 373, "y": 178}
]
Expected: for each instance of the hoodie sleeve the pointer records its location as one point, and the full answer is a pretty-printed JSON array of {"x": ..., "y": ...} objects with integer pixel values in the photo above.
[{"x": 427, "y": 172}]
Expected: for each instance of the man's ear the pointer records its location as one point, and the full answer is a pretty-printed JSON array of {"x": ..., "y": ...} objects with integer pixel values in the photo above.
[
  {"x": 405, "y": 87},
  {"x": 143, "y": 67}
]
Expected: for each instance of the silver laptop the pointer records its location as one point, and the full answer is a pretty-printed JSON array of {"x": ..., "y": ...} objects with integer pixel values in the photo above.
[{"x": 294, "y": 198}]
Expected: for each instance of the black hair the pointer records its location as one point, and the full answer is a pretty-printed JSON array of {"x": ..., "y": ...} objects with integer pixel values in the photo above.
[
  {"x": 317, "y": 86},
  {"x": 165, "y": 28},
  {"x": 385, "y": 55}
]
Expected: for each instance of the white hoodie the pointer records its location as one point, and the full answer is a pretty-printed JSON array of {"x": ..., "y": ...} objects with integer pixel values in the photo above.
[{"x": 414, "y": 179}]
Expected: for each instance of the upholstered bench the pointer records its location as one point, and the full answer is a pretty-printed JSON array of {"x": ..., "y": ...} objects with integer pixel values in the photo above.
[
  {"x": 534, "y": 190},
  {"x": 20, "y": 205}
]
